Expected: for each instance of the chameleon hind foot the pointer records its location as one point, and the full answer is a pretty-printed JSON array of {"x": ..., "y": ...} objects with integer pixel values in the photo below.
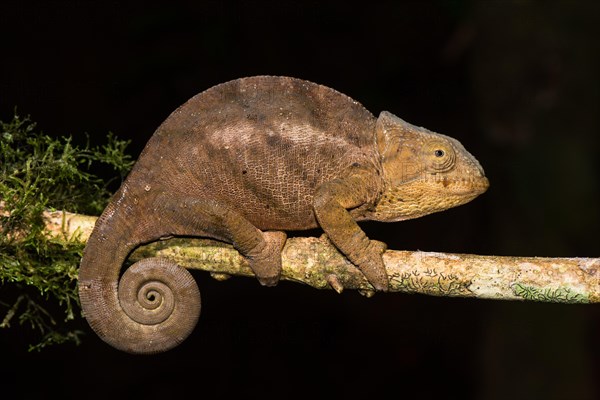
[{"x": 266, "y": 264}]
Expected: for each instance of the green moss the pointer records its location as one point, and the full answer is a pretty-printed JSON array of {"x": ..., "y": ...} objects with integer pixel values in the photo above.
[
  {"x": 38, "y": 274},
  {"x": 556, "y": 295}
]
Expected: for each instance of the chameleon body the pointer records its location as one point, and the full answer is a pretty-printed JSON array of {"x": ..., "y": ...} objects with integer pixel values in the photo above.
[{"x": 242, "y": 162}]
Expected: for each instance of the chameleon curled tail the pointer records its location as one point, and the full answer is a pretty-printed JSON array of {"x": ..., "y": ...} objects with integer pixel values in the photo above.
[{"x": 153, "y": 307}]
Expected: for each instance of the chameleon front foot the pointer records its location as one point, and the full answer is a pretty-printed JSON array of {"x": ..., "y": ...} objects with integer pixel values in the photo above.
[{"x": 370, "y": 262}]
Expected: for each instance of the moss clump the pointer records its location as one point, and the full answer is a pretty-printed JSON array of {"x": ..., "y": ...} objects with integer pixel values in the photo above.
[{"x": 38, "y": 275}]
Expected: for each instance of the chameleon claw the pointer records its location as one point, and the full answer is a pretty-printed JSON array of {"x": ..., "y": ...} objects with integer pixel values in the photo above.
[
  {"x": 368, "y": 293},
  {"x": 219, "y": 276},
  {"x": 335, "y": 283}
]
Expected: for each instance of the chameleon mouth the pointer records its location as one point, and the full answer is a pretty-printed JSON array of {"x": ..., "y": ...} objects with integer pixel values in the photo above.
[
  {"x": 482, "y": 184},
  {"x": 475, "y": 186},
  {"x": 462, "y": 187}
]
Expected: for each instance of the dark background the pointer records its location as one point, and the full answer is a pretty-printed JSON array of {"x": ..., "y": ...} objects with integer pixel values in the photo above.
[{"x": 516, "y": 82}]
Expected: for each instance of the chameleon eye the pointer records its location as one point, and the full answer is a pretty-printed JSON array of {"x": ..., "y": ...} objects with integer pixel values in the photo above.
[{"x": 438, "y": 155}]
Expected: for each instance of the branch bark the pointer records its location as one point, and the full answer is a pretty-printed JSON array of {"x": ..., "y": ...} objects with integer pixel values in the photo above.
[{"x": 316, "y": 262}]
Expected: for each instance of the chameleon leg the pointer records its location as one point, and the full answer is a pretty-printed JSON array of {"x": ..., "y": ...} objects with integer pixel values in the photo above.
[
  {"x": 332, "y": 200},
  {"x": 205, "y": 217}
]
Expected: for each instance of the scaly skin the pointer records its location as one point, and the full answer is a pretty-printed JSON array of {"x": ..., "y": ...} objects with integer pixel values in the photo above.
[{"x": 243, "y": 162}]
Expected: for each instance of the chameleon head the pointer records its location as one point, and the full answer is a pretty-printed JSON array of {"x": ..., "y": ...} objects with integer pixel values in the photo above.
[{"x": 423, "y": 172}]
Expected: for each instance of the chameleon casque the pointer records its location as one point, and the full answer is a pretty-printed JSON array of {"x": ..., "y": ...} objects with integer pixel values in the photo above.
[{"x": 242, "y": 162}]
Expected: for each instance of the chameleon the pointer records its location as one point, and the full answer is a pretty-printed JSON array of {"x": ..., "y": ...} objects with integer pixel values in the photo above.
[{"x": 243, "y": 162}]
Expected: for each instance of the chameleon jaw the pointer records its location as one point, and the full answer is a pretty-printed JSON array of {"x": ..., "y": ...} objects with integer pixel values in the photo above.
[{"x": 425, "y": 197}]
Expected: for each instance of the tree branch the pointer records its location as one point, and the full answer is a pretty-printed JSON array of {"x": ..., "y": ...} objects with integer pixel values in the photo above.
[{"x": 315, "y": 262}]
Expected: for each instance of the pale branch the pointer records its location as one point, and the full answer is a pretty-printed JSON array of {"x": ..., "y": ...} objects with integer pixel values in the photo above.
[{"x": 315, "y": 262}]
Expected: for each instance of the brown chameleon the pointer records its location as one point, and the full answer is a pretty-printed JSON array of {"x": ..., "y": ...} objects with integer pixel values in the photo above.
[{"x": 242, "y": 162}]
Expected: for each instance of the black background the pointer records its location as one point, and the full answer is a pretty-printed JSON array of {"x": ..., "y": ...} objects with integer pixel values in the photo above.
[{"x": 515, "y": 81}]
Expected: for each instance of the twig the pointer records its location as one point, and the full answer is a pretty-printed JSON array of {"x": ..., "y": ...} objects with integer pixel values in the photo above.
[{"x": 315, "y": 262}]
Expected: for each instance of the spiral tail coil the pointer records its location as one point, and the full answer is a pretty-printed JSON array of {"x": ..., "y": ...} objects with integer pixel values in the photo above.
[{"x": 160, "y": 306}]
